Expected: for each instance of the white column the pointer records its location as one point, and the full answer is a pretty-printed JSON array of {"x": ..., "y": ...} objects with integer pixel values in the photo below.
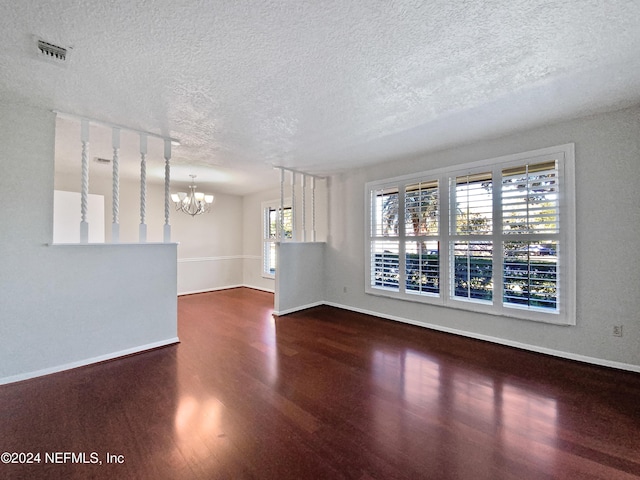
[
  {"x": 304, "y": 208},
  {"x": 294, "y": 233},
  {"x": 281, "y": 215},
  {"x": 115, "y": 225},
  {"x": 167, "y": 188},
  {"x": 143, "y": 188},
  {"x": 84, "y": 192},
  {"x": 313, "y": 209}
]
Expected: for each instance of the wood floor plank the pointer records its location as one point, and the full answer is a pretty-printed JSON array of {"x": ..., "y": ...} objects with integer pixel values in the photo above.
[{"x": 324, "y": 394}]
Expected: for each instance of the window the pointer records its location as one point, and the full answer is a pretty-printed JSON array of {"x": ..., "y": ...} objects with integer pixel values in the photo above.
[
  {"x": 495, "y": 236},
  {"x": 530, "y": 222},
  {"x": 385, "y": 260},
  {"x": 472, "y": 264},
  {"x": 270, "y": 236},
  {"x": 421, "y": 244}
]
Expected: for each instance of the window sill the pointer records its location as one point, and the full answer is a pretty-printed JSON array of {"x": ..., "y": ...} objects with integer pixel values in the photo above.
[{"x": 516, "y": 313}]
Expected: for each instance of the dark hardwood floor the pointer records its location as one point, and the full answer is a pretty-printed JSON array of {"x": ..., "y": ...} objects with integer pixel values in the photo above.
[{"x": 323, "y": 394}]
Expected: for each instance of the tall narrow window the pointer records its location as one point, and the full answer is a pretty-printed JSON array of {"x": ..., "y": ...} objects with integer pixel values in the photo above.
[
  {"x": 271, "y": 220},
  {"x": 421, "y": 243},
  {"x": 385, "y": 239},
  {"x": 472, "y": 263},
  {"x": 530, "y": 223}
]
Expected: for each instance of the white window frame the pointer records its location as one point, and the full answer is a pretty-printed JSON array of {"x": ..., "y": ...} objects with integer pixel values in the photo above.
[
  {"x": 566, "y": 266},
  {"x": 266, "y": 241}
]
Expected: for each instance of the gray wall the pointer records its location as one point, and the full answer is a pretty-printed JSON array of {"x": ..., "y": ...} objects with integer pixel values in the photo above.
[
  {"x": 63, "y": 306},
  {"x": 607, "y": 230}
]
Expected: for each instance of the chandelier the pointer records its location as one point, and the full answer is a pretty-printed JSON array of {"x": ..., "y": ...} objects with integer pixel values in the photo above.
[{"x": 192, "y": 203}]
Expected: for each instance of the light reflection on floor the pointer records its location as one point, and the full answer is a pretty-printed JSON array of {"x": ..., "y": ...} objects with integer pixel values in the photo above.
[
  {"x": 269, "y": 340},
  {"x": 197, "y": 419},
  {"x": 529, "y": 424},
  {"x": 493, "y": 414}
]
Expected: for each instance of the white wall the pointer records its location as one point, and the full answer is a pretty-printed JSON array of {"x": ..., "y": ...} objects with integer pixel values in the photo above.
[
  {"x": 209, "y": 245},
  {"x": 252, "y": 239},
  {"x": 220, "y": 249},
  {"x": 63, "y": 306},
  {"x": 67, "y": 216},
  {"x": 608, "y": 242},
  {"x": 129, "y": 211},
  {"x": 252, "y": 206}
]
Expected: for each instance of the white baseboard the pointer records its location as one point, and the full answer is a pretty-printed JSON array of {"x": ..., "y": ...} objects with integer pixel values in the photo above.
[
  {"x": 500, "y": 341},
  {"x": 269, "y": 290},
  {"x": 211, "y": 259},
  {"x": 297, "y": 309},
  {"x": 212, "y": 289},
  {"x": 226, "y": 287},
  {"x": 88, "y": 361}
]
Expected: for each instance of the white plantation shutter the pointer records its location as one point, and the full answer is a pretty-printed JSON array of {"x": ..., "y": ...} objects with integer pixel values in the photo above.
[
  {"x": 472, "y": 270},
  {"x": 422, "y": 214},
  {"x": 471, "y": 261},
  {"x": 531, "y": 274},
  {"x": 385, "y": 264},
  {"x": 473, "y": 204},
  {"x": 422, "y": 267},
  {"x": 385, "y": 203},
  {"x": 421, "y": 242},
  {"x": 503, "y": 242},
  {"x": 530, "y": 199},
  {"x": 385, "y": 244},
  {"x": 530, "y": 223}
]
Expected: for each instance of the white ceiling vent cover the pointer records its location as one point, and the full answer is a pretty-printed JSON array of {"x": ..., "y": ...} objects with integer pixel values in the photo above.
[{"x": 52, "y": 52}]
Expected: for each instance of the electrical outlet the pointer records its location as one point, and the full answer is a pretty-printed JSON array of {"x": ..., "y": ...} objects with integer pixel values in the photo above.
[{"x": 617, "y": 330}]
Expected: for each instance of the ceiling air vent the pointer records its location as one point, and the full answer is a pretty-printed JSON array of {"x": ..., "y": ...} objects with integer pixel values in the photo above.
[{"x": 51, "y": 51}]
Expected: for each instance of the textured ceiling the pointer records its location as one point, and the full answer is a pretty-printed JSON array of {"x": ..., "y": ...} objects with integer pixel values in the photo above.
[{"x": 320, "y": 85}]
